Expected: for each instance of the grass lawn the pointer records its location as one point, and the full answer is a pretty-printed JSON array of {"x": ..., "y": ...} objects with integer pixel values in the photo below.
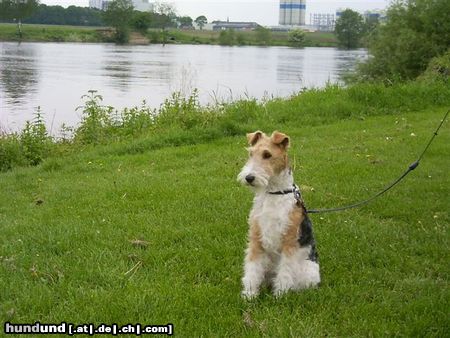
[
  {"x": 50, "y": 33},
  {"x": 313, "y": 39},
  {"x": 67, "y": 226}
]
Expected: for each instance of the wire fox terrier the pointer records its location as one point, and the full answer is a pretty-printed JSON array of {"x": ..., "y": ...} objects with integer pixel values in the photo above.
[{"x": 281, "y": 248}]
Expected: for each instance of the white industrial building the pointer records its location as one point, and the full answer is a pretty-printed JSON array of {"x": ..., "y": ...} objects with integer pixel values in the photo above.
[
  {"x": 292, "y": 12},
  {"x": 139, "y": 5}
]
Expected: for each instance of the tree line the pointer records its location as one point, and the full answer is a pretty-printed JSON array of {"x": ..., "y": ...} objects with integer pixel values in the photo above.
[{"x": 32, "y": 12}]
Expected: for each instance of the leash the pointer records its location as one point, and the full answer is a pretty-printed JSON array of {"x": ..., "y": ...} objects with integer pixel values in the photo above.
[
  {"x": 414, "y": 165},
  {"x": 411, "y": 167}
]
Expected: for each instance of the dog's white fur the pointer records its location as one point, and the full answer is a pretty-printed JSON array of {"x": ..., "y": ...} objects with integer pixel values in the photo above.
[{"x": 284, "y": 271}]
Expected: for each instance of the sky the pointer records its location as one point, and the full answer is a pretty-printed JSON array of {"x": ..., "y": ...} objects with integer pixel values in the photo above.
[{"x": 264, "y": 12}]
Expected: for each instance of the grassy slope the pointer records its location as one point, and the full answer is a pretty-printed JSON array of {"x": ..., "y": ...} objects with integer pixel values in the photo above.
[
  {"x": 384, "y": 267},
  {"x": 313, "y": 39},
  {"x": 50, "y": 33}
]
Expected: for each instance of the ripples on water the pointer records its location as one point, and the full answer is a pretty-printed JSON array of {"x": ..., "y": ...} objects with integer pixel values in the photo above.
[{"x": 54, "y": 76}]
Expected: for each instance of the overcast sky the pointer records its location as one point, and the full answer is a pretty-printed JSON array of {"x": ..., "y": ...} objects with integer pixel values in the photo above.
[{"x": 264, "y": 12}]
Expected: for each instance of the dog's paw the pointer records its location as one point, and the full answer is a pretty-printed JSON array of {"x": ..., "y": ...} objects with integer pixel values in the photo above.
[
  {"x": 278, "y": 293},
  {"x": 249, "y": 294}
]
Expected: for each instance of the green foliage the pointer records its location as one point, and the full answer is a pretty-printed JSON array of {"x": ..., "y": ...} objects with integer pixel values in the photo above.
[
  {"x": 263, "y": 35},
  {"x": 184, "y": 112},
  {"x": 72, "y": 15},
  {"x": 240, "y": 38},
  {"x": 96, "y": 120},
  {"x": 11, "y": 153},
  {"x": 185, "y": 22},
  {"x": 438, "y": 69},
  {"x": 415, "y": 32},
  {"x": 119, "y": 15},
  {"x": 34, "y": 140},
  {"x": 18, "y": 10},
  {"x": 29, "y": 147},
  {"x": 349, "y": 29},
  {"x": 297, "y": 37},
  {"x": 142, "y": 21},
  {"x": 227, "y": 37},
  {"x": 201, "y": 21}
]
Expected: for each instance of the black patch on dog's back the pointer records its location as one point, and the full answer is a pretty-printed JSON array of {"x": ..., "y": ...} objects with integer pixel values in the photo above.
[{"x": 307, "y": 238}]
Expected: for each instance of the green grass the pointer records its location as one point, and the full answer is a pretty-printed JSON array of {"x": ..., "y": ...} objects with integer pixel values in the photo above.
[
  {"x": 313, "y": 39},
  {"x": 66, "y": 225},
  {"x": 56, "y": 33},
  {"x": 51, "y": 33}
]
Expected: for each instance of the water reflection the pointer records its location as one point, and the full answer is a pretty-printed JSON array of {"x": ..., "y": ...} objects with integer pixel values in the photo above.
[
  {"x": 18, "y": 72},
  {"x": 55, "y": 75},
  {"x": 117, "y": 65}
]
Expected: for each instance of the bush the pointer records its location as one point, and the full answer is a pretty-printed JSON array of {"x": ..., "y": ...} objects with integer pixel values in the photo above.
[
  {"x": 34, "y": 140},
  {"x": 29, "y": 147},
  {"x": 227, "y": 37},
  {"x": 296, "y": 38},
  {"x": 415, "y": 32},
  {"x": 438, "y": 69},
  {"x": 95, "y": 121}
]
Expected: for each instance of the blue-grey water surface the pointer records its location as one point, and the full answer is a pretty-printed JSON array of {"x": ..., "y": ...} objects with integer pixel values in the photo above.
[{"x": 55, "y": 75}]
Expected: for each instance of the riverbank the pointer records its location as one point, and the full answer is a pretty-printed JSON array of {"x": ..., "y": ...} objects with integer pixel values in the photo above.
[
  {"x": 144, "y": 219},
  {"x": 54, "y": 33}
]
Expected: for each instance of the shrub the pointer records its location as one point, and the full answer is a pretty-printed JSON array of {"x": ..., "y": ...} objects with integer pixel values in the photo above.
[
  {"x": 96, "y": 120},
  {"x": 296, "y": 38},
  {"x": 34, "y": 140},
  {"x": 415, "y": 32}
]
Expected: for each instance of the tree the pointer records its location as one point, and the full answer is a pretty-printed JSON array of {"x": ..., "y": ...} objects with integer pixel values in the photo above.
[
  {"x": 415, "y": 32},
  {"x": 17, "y": 10},
  {"x": 349, "y": 28},
  {"x": 119, "y": 15},
  {"x": 185, "y": 21},
  {"x": 297, "y": 37},
  {"x": 167, "y": 17},
  {"x": 201, "y": 21},
  {"x": 142, "y": 21},
  {"x": 263, "y": 35}
]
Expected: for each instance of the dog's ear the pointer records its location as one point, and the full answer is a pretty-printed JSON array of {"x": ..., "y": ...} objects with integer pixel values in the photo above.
[
  {"x": 280, "y": 139},
  {"x": 253, "y": 138}
]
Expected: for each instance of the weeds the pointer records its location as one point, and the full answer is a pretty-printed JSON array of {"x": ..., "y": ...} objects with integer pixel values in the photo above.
[{"x": 182, "y": 120}]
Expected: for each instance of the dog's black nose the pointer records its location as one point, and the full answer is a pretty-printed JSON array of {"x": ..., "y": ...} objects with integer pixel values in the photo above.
[{"x": 249, "y": 178}]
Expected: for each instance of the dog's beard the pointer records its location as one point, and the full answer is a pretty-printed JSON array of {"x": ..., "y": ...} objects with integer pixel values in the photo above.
[{"x": 261, "y": 178}]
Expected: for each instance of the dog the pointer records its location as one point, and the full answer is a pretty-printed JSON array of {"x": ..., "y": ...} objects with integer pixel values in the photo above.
[{"x": 281, "y": 248}]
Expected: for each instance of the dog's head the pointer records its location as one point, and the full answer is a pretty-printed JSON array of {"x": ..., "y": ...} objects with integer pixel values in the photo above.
[{"x": 267, "y": 158}]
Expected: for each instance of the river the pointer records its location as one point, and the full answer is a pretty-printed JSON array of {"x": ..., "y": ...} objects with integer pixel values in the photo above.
[{"x": 54, "y": 76}]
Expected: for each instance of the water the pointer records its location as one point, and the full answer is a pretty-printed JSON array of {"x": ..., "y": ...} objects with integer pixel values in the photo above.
[{"x": 55, "y": 75}]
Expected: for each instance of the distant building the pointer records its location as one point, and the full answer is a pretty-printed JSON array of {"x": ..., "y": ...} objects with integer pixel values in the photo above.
[
  {"x": 373, "y": 14},
  {"x": 139, "y": 5},
  {"x": 292, "y": 12},
  {"x": 99, "y": 4},
  {"x": 142, "y": 5},
  {"x": 322, "y": 22},
  {"x": 222, "y": 25}
]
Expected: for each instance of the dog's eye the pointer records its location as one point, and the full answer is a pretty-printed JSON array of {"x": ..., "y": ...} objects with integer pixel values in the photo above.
[{"x": 266, "y": 155}]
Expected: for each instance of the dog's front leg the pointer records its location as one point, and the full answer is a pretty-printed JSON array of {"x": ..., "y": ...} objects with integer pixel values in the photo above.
[{"x": 255, "y": 268}]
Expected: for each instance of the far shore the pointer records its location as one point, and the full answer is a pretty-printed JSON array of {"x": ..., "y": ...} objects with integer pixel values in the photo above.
[{"x": 57, "y": 33}]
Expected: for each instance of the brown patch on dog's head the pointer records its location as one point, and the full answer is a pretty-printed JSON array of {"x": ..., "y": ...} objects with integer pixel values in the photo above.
[
  {"x": 270, "y": 152},
  {"x": 281, "y": 139},
  {"x": 267, "y": 158},
  {"x": 253, "y": 138}
]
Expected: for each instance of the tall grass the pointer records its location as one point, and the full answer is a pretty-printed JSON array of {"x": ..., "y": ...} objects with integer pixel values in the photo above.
[{"x": 183, "y": 120}]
